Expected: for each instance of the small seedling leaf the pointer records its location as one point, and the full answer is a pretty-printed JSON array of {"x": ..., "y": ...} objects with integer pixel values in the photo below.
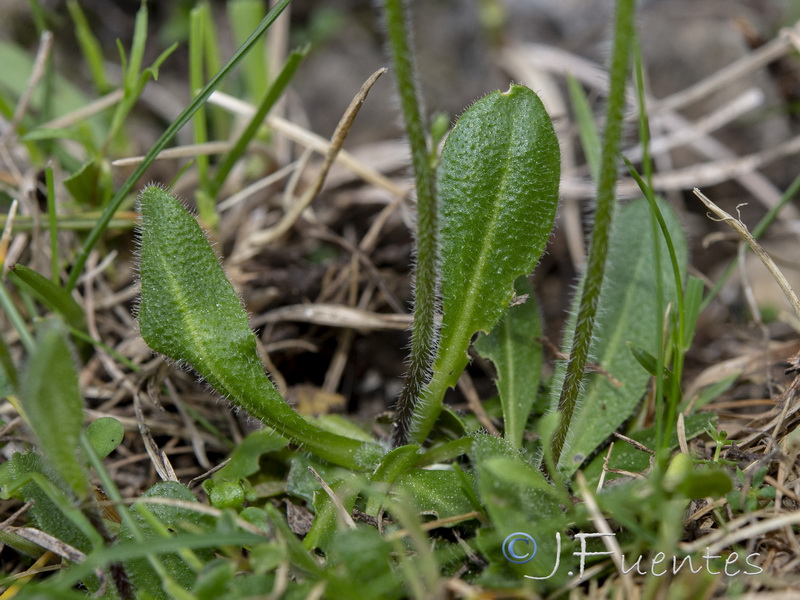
[
  {"x": 105, "y": 434},
  {"x": 245, "y": 459},
  {"x": 517, "y": 356},
  {"x": 647, "y": 360},
  {"x": 89, "y": 184}
]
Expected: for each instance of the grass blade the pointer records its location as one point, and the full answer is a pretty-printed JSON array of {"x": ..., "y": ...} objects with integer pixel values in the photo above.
[
  {"x": 166, "y": 137},
  {"x": 48, "y": 293}
]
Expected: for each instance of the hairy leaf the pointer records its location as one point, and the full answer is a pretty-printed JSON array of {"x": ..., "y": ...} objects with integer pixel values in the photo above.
[
  {"x": 627, "y": 313},
  {"x": 29, "y": 477},
  {"x": 517, "y": 499},
  {"x": 395, "y": 464},
  {"x": 190, "y": 312},
  {"x": 54, "y": 405},
  {"x": 498, "y": 191},
  {"x": 161, "y": 518}
]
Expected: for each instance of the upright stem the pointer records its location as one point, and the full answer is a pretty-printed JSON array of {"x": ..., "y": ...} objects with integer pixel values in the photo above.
[
  {"x": 424, "y": 335},
  {"x": 595, "y": 268}
]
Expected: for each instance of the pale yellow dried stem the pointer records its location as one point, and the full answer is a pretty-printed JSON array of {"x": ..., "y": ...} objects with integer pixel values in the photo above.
[
  {"x": 737, "y": 531},
  {"x": 742, "y": 230},
  {"x": 341, "y": 511},
  {"x": 45, "y": 46},
  {"x": 7, "y": 229},
  {"x": 307, "y": 138},
  {"x": 187, "y": 151},
  {"x": 85, "y": 112},
  {"x": 610, "y": 542},
  {"x": 290, "y": 218}
]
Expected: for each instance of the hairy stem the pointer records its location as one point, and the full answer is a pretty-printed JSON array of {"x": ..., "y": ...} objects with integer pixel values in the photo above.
[
  {"x": 424, "y": 333},
  {"x": 595, "y": 268}
]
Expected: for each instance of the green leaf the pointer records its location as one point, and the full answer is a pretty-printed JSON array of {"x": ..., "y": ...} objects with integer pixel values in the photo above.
[
  {"x": 498, "y": 192},
  {"x": 508, "y": 470},
  {"x": 626, "y": 313},
  {"x": 301, "y": 483},
  {"x": 141, "y": 571},
  {"x": 89, "y": 185},
  {"x": 137, "y": 47},
  {"x": 590, "y": 138},
  {"x": 8, "y": 371},
  {"x": 90, "y": 46},
  {"x": 190, "y": 312},
  {"x": 518, "y": 499},
  {"x": 517, "y": 356},
  {"x": 706, "y": 481},
  {"x": 214, "y": 580},
  {"x": 647, "y": 360},
  {"x": 273, "y": 94},
  {"x": 362, "y": 555},
  {"x": 242, "y": 14},
  {"x": 328, "y": 523},
  {"x": 394, "y": 464},
  {"x": 28, "y": 477},
  {"x": 53, "y": 403},
  {"x": 692, "y": 305},
  {"x": 246, "y": 457},
  {"x": 105, "y": 434},
  {"x": 436, "y": 493},
  {"x": 711, "y": 392},
  {"x": 48, "y": 293},
  {"x": 225, "y": 494},
  {"x": 445, "y": 452}
]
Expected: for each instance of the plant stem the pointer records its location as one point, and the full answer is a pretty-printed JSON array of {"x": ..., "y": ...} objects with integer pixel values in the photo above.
[
  {"x": 424, "y": 335},
  {"x": 52, "y": 222},
  {"x": 595, "y": 269}
]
